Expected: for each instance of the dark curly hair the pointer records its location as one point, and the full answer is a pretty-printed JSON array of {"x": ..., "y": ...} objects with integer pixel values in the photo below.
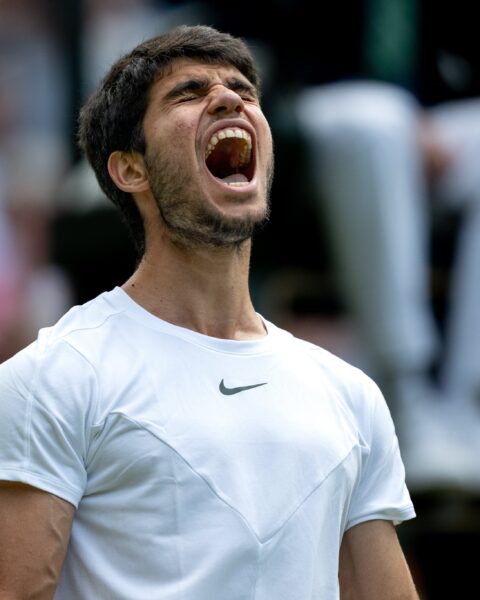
[{"x": 112, "y": 118}]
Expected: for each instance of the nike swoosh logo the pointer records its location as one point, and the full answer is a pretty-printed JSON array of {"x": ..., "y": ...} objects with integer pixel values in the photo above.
[{"x": 230, "y": 391}]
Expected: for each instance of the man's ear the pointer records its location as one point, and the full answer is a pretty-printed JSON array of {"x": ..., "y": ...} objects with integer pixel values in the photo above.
[{"x": 127, "y": 170}]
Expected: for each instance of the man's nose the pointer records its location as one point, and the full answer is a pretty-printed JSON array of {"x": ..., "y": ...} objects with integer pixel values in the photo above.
[{"x": 225, "y": 100}]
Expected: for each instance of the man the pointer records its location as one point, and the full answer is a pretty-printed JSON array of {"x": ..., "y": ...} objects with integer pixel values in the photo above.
[{"x": 164, "y": 441}]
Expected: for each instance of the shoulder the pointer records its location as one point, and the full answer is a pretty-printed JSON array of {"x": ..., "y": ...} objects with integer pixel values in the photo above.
[
  {"x": 89, "y": 321},
  {"x": 63, "y": 355},
  {"x": 346, "y": 377},
  {"x": 352, "y": 386}
]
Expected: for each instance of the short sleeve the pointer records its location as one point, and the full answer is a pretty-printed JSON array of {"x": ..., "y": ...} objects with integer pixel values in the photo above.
[
  {"x": 45, "y": 411},
  {"x": 381, "y": 492}
]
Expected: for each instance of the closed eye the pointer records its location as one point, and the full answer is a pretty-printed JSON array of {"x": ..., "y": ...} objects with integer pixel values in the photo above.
[
  {"x": 188, "y": 97},
  {"x": 187, "y": 90},
  {"x": 245, "y": 91},
  {"x": 192, "y": 89}
]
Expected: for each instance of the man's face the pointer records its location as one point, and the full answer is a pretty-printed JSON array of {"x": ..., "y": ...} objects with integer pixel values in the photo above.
[{"x": 209, "y": 154}]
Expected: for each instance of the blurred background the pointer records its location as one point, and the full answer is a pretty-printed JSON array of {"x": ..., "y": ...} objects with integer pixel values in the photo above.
[{"x": 373, "y": 248}]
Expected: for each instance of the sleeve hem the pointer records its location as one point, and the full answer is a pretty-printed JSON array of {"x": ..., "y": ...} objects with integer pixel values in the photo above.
[
  {"x": 69, "y": 494},
  {"x": 397, "y": 516}
]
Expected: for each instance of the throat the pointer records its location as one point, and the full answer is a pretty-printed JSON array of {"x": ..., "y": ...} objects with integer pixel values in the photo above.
[{"x": 203, "y": 291}]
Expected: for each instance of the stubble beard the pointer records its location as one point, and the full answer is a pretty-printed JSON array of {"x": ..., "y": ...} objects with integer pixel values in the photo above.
[{"x": 191, "y": 222}]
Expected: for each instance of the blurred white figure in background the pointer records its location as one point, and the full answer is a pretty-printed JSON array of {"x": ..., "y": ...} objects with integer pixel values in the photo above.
[{"x": 379, "y": 161}]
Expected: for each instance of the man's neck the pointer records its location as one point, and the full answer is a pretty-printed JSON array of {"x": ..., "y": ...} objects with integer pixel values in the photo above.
[{"x": 205, "y": 290}]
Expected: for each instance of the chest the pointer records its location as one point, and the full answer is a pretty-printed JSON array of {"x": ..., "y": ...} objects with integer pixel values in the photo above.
[{"x": 260, "y": 435}]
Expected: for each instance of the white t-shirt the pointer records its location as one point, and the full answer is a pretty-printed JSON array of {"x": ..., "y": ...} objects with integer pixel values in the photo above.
[{"x": 201, "y": 468}]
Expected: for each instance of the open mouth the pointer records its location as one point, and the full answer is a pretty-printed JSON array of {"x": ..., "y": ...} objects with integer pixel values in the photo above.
[{"x": 229, "y": 156}]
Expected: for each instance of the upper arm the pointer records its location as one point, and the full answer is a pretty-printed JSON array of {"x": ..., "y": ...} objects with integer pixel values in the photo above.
[
  {"x": 34, "y": 529},
  {"x": 372, "y": 564}
]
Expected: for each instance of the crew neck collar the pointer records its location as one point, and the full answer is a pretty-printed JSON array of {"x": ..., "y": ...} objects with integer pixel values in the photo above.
[{"x": 122, "y": 301}]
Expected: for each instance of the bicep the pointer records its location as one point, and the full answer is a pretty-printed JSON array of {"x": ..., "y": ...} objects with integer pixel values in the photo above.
[
  {"x": 372, "y": 564},
  {"x": 34, "y": 528}
]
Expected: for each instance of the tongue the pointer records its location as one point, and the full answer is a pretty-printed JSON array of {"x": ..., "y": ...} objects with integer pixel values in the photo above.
[{"x": 235, "y": 178}]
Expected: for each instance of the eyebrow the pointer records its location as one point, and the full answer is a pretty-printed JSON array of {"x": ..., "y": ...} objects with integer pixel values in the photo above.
[
  {"x": 194, "y": 85},
  {"x": 243, "y": 85}
]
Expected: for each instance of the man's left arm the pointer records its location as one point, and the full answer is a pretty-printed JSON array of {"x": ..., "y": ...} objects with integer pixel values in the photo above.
[{"x": 372, "y": 564}]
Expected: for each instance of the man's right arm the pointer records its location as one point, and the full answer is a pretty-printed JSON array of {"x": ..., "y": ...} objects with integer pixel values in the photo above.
[{"x": 34, "y": 532}]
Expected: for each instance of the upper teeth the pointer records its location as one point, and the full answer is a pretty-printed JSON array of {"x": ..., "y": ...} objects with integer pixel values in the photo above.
[{"x": 231, "y": 133}]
